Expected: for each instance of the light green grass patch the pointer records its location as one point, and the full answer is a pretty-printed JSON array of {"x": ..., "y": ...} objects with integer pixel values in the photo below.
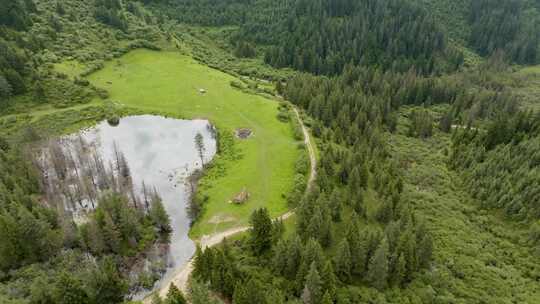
[
  {"x": 170, "y": 82},
  {"x": 72, "y": 68}
]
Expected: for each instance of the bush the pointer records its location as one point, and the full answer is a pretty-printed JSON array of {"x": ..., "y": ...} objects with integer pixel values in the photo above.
[
  {"x": 236, "y": 84},
  {"x": 81, "y": 81},
  {"x": 114, "y": 121},
  {"x": 283, "y": 116},
  {"x": 103, "y": 94}
]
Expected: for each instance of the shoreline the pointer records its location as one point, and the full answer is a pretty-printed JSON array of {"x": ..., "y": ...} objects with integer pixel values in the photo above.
[{"x": 181, "y": 277}]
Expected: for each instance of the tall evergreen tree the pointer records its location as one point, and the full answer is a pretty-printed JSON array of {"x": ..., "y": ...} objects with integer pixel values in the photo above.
[
  {"x": 313, "y": 291},
  {"x": 378, "y": 266},
  {"x": 343, "y": 261},
  {"x": 175, "y": 296},
  {"x": 261, "y": 231}
]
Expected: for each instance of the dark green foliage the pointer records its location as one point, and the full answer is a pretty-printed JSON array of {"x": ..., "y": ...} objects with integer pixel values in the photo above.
[
  {"x": 70, "y": 290},
  {"x": 244, "y": 50},
  {"x": 108, "y": 285},
  {"x": 80, "y": 262},
  {"x": 111, "y": 12},
  {"x": 5, "y": 89},
  {"x": 421, "y": 124},
  {"x": 505, "y": 26},
  {"x": 249, "y": 292},
  {"x": 378, "y": 266},
  {"x": 13, "y": 65},
  {"x": 322, "y": 37},
  {"x": 200, "y": 294},
  {"x": 15, "y": 13},
  {"x": 445, "y": 124},
  {"x": 117, "y": 228},
  {"x": 28, "y": 233},
  {"x": 343, "y": 261},
  {"x": 217, "y": 266},
  {"x": 312, "y": 292},
  {"x": 175, "y": 296},
  {"x": 159, "y": 216},
  {"x": 261, "y": 231},
  {"x": 500, "y": 165}
]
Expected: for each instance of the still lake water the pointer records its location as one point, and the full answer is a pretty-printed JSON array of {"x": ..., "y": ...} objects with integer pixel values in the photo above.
[{"x": 161, "y": 152}]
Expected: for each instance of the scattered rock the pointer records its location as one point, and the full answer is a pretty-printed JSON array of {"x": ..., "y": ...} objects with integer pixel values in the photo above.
[
  {"x": 241, "y": 197},
  {"x": 243, "y": 133}
]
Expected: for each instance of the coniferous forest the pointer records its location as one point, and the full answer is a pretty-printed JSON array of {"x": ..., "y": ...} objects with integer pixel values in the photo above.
[{"x": 423, "y": 185}]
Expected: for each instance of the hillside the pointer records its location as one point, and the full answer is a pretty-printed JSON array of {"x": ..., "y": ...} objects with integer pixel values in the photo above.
[{"x": 423, "y": 115}]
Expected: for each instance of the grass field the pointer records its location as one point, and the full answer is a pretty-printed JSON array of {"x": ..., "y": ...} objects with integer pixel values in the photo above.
[{"x": 169, "y": 82}]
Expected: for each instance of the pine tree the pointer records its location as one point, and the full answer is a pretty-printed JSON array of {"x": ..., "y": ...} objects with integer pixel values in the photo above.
[
  {"x": 343, "y": 261},
  {"x": 261, "y": 231},
  {"x": 250, "y": 292},
  {"x": 425, "y": 251},
  {"x": 294, "y": 256},
  {"x": 327, "y": 298},
  {"x": 378, "y": 266},
  {"x": 400, "y": 275},
  {"x": 108, "y": 282},
  {"x": 335, "y": 204},
  {"x": 159, "y": 216},
  {"x": 275, "y": 296},
  {"x": 175, "y": 296},
  {"x": 313, "y": 286},
  {"x": 200, "y": 294},
  {"x": 110, "y": 233},
  {"x": 279, "y": 260},
  {"x": 69, "y": 290},
  {"x": 315, "y": 224},
  {"x": 329, "y": 279},
  {"x": 358, "y": 247}
]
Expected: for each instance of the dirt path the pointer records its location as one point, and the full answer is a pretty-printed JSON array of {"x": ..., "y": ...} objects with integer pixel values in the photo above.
[
  {"x": 181, "y": 277},
  {"x": 311, "y": 151}
]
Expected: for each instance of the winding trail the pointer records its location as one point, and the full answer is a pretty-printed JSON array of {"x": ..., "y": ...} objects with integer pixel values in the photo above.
[
  {"x": 311, "y": 150},
  {"x": 181, "y": 277}
]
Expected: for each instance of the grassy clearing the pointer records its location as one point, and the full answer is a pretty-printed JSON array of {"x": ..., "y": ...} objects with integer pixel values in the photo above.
[
  {"x": 169, "y": 82},
  {"x": 71, "y": 68}
]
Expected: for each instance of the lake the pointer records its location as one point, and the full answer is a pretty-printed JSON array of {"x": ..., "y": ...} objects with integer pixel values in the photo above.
[{"x": 161, "y": 152}]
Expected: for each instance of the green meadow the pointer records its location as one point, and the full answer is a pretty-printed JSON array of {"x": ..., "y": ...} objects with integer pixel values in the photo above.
[{"x": 168, "y": 82}]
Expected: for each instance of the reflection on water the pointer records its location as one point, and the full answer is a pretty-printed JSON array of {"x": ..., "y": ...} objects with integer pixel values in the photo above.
[{"x": 162, "y": 153}]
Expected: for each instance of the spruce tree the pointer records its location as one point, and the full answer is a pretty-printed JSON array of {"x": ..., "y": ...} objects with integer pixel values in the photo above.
[
  {"x": 108, "y": 283},
  {"x": 294, "y": 256},
  {"x": 261, "y": 231},
  {"x": 378, "y": 266},
  {"x": 159, "y": 216},
  {"x": 329, "y": 279},
  {"x": 327, "y": 298},
  {"x": 69, "y": 290},
  {"x": 175, "y": 296},
  {"x": 400, "y": 275},
  {"x": 249, "y": 292},
  {"x": 343, "y": 261},
  {"x": 313, "y": 285}
]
